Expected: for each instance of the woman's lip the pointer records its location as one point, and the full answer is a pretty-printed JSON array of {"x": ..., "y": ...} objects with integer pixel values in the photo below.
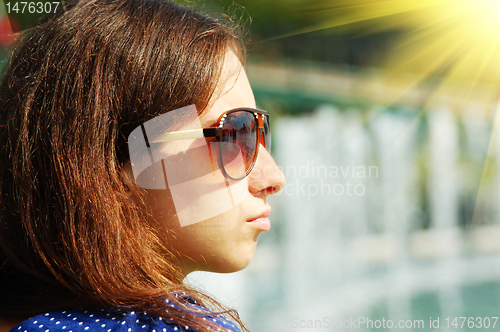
[
  {"x": 265, "y": 214},
  {"x": 263, "y": 224}
]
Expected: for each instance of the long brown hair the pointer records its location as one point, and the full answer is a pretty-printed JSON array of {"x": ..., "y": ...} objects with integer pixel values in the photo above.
[{"x": 76, "y": 85}]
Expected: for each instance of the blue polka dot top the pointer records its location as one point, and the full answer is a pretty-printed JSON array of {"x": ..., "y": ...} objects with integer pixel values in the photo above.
[{"x": 101, "y": 320}]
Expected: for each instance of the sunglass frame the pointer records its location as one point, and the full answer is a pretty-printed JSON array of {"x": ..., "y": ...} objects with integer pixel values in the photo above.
[{"x": 217, "y": 133}]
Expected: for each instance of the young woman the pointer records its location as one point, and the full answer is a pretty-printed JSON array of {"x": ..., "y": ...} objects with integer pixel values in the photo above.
[{"x": 132, "y": 154}]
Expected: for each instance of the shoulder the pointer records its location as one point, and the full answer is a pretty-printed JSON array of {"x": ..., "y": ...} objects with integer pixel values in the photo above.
[
  {"x": 93, "y": 320},
  {"x": 101, "y": 320}
]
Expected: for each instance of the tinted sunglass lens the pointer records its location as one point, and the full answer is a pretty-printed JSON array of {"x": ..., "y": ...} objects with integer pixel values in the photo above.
[{"x": 238, "y": 145}]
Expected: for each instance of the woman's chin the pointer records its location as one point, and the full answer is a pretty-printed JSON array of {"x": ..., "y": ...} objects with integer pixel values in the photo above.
[
  {"x": 231, "y": 263},
  {"x": 234, "y": 267}
]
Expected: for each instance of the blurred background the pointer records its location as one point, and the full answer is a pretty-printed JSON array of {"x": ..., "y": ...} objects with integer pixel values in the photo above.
[{"x": 384, "y": 123}]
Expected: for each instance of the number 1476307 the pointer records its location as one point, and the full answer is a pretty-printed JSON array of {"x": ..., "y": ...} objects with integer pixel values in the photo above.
[{"x": 31, "y": 7}]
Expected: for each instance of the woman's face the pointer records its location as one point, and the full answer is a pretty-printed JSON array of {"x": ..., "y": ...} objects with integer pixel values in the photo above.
[{"x": 225, "y": 240}]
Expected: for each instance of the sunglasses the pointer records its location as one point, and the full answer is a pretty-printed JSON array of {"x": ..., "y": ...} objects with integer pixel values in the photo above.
[{"x": 237, "y": 135}]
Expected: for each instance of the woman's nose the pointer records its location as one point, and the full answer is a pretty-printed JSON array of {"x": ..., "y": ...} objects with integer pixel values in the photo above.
[{"x": 265, "y": 178}]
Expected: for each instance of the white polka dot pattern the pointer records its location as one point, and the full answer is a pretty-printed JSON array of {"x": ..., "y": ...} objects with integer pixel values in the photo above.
[{"x": 100, "y": 320}]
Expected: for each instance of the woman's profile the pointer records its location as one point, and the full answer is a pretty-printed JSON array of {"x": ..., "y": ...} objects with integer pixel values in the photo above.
[{"x": 132, "y": 154}]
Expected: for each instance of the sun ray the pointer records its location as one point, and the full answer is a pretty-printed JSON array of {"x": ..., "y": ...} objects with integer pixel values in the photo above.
[
  {"x": 446, "y": 42},
  {"x": 431, "y": 25}
]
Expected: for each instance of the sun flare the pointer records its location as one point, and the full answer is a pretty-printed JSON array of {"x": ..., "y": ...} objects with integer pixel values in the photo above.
[
  {"x": 458, "y": 40},
  {"x": 444, "y": 43}
]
